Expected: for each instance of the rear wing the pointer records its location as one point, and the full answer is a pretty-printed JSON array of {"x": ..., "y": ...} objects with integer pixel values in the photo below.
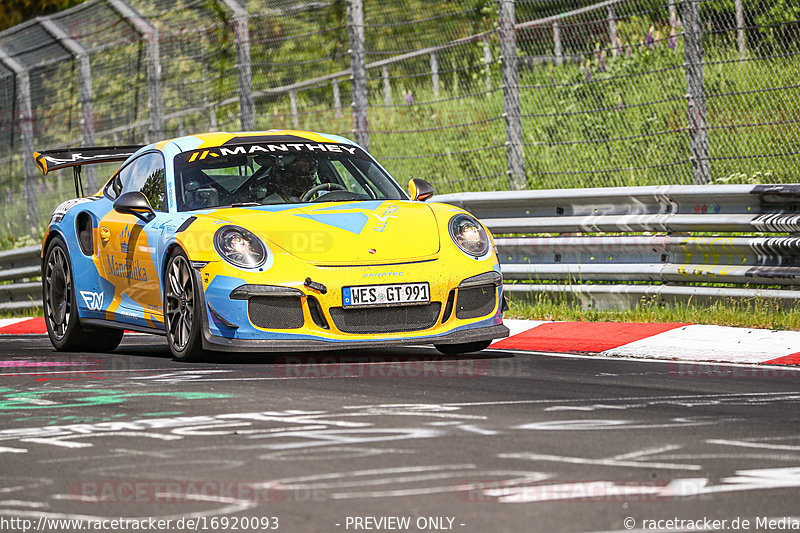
[{"x": 76, "y": 157}]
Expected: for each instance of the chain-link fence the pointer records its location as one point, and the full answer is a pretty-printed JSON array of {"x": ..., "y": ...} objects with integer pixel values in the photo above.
[{"x": 469, "y": 94}]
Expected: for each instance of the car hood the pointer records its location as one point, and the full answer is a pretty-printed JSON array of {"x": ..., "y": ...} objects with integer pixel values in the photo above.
[{"x": 343, "y": 232}]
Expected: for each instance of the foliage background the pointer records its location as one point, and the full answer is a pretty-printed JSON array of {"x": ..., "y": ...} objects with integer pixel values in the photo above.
[{"x": 602, "y": 114}]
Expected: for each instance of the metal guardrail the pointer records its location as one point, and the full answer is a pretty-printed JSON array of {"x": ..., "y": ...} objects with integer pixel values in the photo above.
[
  {"x": 597, "y": 242},
  {"x": 616, "y": 239},
  {"x": 19, "y": 267}
]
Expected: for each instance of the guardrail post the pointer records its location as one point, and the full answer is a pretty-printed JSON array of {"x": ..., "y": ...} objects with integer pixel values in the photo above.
[
  {"x": 612, "y": 29},
  {"x": 741, "y": 37},
  {"x": 241, "y": 32},
  {"x": 25, "y": 115},
  {"x": 85, "y": 87},
  {"x": 508, "y": 50},
  {"x": 355, "y": 26},
  {"x": 695, "y": 92},
  {"x": 150, "y": 34},
  {"x": 435, "y": 74}
]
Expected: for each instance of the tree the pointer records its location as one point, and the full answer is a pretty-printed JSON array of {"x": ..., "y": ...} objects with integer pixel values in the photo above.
[{"x": 12, "y": 12}]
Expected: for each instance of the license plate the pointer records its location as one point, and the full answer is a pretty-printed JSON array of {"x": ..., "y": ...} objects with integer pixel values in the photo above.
[{"x": 380, "y": 295}]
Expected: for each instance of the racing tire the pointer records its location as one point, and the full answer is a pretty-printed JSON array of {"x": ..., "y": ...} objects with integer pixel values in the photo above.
[
  {"x": 61, "y": 310},
  {"x": 181, "y": 317},
  {"x": 467, "y": 347}
]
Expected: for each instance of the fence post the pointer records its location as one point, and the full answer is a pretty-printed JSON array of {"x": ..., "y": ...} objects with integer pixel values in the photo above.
[
  {"x": 508, "y": 51},
  {"x": 741, "y": 37},
  {"x": 487, "y": 61},
  {"x": 293, "y": 104},
  {"x": 387, "y": 88},
  {"x": 695, "y": 92},
  {"x": 557, "y": 49},
  {"x": 25, "y": 114},
  {"x": 212, "y": 119},
  {"x": 337, "y": 99},
  {"x": 435, "y": 73},
  {"x": 612, "y": 30},
  {"x": 355, "y": 26},
  {"x": 85, "y": 87},
  {"x": 241, "y": 32},
  {"x": 150, "y": 34}
]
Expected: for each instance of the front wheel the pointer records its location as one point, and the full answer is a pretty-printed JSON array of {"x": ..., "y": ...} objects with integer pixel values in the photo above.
[
  {"x": 467, "y": 347},
  {"x": 61, "y": 312},
  {"x": 181, "y": 315}
]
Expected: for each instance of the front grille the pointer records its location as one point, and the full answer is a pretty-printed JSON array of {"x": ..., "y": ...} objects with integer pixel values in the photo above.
[
  {"x": 275, "y": 312},
  {"x": 386, "y": 319},
  {"x": 475, "y": 301}
]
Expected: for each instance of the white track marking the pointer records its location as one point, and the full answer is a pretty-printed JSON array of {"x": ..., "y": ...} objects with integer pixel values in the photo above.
[
  {"x": 528, "y": 477},
  {"x": 66, "y": 441},
  {"x": 6, "y": 449},
  {"x": 20, "y": 503},
  {"x": 521, "y": 326},
  {"x": 648, "y": 451},
  {"x": 673, "y": 360},
  {"x": 618, "y": 399},
  {"x": 743, "y": 481},
  {"x": 754, "y": 444},
  {"x": 704, "y": 343},
  {"x": 598, "y": 462}
]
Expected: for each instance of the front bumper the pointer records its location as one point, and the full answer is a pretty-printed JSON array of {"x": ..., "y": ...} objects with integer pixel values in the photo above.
[
  {"x": 215, "y": 343},
  {"x": 226, "y": 326}
]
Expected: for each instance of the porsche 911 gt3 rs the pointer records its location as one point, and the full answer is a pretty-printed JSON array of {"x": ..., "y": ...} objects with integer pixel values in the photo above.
[{"x": 263, "y": 241}]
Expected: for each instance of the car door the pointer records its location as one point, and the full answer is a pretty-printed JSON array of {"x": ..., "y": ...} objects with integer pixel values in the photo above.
[{"x": 128, "y": 243}]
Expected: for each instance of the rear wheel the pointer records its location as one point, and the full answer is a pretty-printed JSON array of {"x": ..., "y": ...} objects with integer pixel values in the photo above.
[
  {"x": 181, "y": 318},
  {"x": 61, "y": 310},
  {"x": 467, "y": 347}
]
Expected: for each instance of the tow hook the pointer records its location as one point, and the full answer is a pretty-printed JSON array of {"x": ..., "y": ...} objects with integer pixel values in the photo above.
[{"x": 316, "y": 286}]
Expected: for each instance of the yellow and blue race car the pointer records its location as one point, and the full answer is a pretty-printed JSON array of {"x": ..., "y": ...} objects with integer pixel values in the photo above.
[{"x": 266, "y": 241}]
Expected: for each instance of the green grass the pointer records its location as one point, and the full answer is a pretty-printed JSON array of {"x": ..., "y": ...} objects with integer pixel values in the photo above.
[
  {"x": 755, "y": 313},
  {"x": 23, "y": 313}
]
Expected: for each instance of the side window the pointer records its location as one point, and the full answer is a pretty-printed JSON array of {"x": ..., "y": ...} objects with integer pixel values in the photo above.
[
  {"x": 146, "y": 174},
  {"x": 114, "y": 187}
]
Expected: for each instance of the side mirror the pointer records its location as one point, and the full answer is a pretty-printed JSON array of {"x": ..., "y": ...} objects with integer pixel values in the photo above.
[
  {"x": 419, "y": 190},
  {"x": 134, "y": 203}
]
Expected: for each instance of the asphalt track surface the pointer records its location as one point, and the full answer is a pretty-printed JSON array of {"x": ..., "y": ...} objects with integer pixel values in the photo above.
[{"x": 335, "y": 442}]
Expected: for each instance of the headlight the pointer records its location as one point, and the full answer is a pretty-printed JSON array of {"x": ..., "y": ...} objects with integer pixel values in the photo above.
[
  {"x": 469, "y": 235},
  {"x": 239, "y": 247}
]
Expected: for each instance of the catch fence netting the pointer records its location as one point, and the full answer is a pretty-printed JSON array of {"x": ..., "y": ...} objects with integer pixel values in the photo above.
[{"x": 615, "y": 93}]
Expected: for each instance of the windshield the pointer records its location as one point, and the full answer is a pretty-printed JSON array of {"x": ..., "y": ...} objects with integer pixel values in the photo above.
[{"x": 279, "y": 173}]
